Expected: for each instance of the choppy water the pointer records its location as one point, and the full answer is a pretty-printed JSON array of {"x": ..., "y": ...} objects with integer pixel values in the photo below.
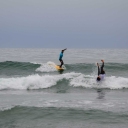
[{"x": 34, "y": 94}]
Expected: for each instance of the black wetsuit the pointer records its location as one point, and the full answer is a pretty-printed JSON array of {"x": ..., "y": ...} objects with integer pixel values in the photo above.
[{"x": 101, "y": 72}]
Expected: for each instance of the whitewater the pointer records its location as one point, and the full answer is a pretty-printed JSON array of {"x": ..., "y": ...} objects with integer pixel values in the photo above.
[{"x": 28, "y": 75}]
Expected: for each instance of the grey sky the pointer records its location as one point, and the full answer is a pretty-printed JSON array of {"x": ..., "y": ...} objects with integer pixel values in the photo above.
[{"x": 64, "y": 23}]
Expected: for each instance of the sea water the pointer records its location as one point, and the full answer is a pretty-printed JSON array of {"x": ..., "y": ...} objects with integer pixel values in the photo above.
[{"x": 33, "y": 94}]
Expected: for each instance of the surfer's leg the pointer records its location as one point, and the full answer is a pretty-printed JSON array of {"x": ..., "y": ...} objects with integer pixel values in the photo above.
[
  {"x": 61, "y": 63},
  {"x": 102, "y": 70}
]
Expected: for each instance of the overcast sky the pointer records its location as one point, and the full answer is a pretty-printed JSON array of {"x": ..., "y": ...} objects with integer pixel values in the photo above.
[{"x": 64, "y": 23}]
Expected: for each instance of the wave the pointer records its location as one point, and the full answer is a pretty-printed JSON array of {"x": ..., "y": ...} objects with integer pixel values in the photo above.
[
  {"x": 74, "y": 79},
  {"x": 26, "y": 110},
  {"x": 61, "y": 117},
  {"x": 33, "y": 81},
  {"x": 28, "y": 75},
  {"x": 76, "y": 66},
  {"x": 111, "y": 82},
  {"x": 11, "y": 68},
  {"x": 17, "y": 68},
  {"x": 47, "y": 67},
  {"x": 18, "y": 65}
]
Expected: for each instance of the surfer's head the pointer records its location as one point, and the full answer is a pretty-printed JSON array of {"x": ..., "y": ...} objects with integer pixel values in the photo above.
[
  {"x": 98, "y": 78},
  {"x": 62, "y": 51}
]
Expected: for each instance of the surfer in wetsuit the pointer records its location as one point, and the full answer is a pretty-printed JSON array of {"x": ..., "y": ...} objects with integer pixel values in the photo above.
[
  {"x": 60, "y": 58},
  {"x": 101, "y": 72}
]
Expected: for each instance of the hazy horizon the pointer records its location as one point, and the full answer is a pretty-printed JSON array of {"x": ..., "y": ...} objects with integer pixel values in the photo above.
[{"x": 64, "y": 23}]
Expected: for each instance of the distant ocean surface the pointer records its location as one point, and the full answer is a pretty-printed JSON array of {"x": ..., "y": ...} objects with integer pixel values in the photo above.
[{"x": 33, "y": 94}]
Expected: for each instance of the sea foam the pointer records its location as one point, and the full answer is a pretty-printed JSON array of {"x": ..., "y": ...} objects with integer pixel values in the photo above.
[
  {"x": 34, "y": 81},
  {"x": 37, "y": 81}
]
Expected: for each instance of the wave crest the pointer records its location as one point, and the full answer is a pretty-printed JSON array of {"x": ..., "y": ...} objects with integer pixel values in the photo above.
[{"x": 75, "y": 80}]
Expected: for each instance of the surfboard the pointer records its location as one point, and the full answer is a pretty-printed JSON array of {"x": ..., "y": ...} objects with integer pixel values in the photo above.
[{"x": 58, "y": 67}]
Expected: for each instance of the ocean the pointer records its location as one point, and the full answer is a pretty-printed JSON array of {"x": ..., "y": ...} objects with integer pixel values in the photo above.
[{"x": 33, "y": 94}]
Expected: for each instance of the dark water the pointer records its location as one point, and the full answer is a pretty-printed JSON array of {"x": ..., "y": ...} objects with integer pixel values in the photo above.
[{"x": 30, "y": 117}]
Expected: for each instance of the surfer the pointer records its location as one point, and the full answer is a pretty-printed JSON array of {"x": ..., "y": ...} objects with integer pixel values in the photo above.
[
  {"x": 101, "y": 72},
  {"x": 60, "y": 58}
]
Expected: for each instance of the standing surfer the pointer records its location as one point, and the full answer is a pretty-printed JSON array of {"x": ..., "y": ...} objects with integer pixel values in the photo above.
[{"x": 60, "y": 58}]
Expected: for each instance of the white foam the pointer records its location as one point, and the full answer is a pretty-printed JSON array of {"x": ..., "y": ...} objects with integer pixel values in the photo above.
[
  {"x": 35, "y": 63},
  {"x": 84, "y": 81},
  {"x": 116, "y": 82},
  {"x": 75, "y": 79},
  {"x": 47, "y": 67},
  {"x": 109, "y": 82},
  {"x": 29, "y": 82},
  {"x": 6, "y": 108},
  {"x": 34, "y": 81}
]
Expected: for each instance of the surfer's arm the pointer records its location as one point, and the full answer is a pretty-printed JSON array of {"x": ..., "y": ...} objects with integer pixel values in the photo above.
[
  {"x": 102, "y": 65},
  {"x": 98, "y": 69},
  {"x": 64, "y": 49}
]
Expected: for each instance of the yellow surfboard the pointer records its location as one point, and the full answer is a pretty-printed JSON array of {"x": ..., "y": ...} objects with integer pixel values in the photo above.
[{"x": 58, "y": 67}]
